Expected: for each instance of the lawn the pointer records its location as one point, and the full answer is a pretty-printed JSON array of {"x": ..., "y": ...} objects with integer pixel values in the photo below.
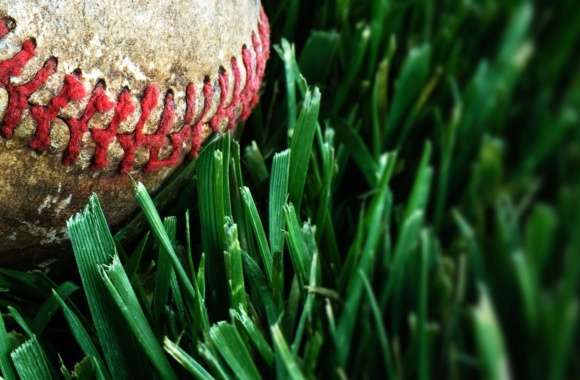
[{"x": 403, "y": 204}]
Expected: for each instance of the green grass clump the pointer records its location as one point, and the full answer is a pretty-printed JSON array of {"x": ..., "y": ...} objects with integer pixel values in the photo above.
[{"x": 405, "y": 203}]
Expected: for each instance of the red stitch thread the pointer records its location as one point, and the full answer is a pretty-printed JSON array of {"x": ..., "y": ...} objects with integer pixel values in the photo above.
[
  {"x": 158, "y": 140},
  {"x": 130, "y": 142},
  {"x": 98, "y": 103},
  {"x": 7, "y": 24},
  {"x": 104, "y": 137},
  {"x": 197, "y": 132},
  {"x": 13, "y": 67},
  {"x": 222, "y": 110},
  {"x": 242, "y": 102},
  {"x": 73, "y": 90},
  {"x": 236, "y": 97},
  {"x": 18, "y": 97}
]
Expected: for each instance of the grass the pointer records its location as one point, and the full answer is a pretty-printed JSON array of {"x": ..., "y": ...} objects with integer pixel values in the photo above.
[{"x": 405, "y": 203}]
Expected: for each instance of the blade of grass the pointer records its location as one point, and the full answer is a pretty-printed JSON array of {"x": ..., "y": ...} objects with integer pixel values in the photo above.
[
  {"x": 319, "y": 54},
  {"x": 6, "y": 368},
  {"x": 234, "y": 266},
  {"x": 288, "y": 358},
  {"x": 255, "y": 335},
  {"x": 406, "y": 241},
  {"x": 163, "y": 274},
  {"x": 255, "y": 163},
  {"x": 190, "y": 364},
  {"x": 258, "y": 282},
  {"x": 409, "y": 83},
  {"x": 489, "y": 340},
  {"x": 299, "y": 253},
  {"x": 422, "y": 186},
  {"x": 287, "y": 53},
  {"x": 213, "y": 195},
  {"x": 278, "y": 195},
  {"x": 357, "y": 148},
  {"x": 82, "y": 336},
  {"x": 210, "y": 355},
  {"x": 93, "y": 245},
  {"x": 21, "y": 321},
  {"x": 120, "y": 288},
  {"x": 31, "y": 362},
  {"x": 50, "y": 306},
  {"x": 379, "y": 9},
  {"x": 308, "y": 306},
  {"x": 375, "y": 216},
  {"x": 381, "y": 330},
  {"x": 230, "y": 345},
  {"x": 422, "y": 307},
  {"x": 355, "y": 63},
  {"x": 146, "y": 203},
  {"x": 476, "y": 262},
  {"x": 259, "y": 233},
  {"x": 302, "y": 144}
]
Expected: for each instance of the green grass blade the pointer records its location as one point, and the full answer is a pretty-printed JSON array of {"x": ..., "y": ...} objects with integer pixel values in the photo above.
[
  {"x": 380, "y": 10},
  {"x": 277, "y": 198},
  {"x": 21, "y": 321},
  {"x": 302, "y": 144},
  {"x": 379, "y": 207},
  {"x": 213, "y": 189},
  {"x": 210, "y": 355},
  {"x": 406, "y": 242},
  {"x": 539, "y": 237},
  {"x": 31, "y": 362},
  {"x": 6, "y": 368},
  {"x": 308, "y": 306},
  {"x": 190, "y": 364},
  {"x": 408, "y": 86},
  {"x": 422, "y": 307},
  {"x": 82, "y": 336},
  {"x": 50, "y": 307},
  {"x": 299, "y": 253},
  {"x": 255, "y": 335},
  {"x": 489, "y": 340},
  {"x": 259, "y": 233},
  {"x": 200, "y": 279},
  {"x": 93, "y": 245},
  {"x": 234, "y": 266},
  {"x": 476, "y": 262},
  {"x": 135, "y": 259},
  {"x": 230, "y": 345},
  {"x": 359, "y": 151},
  {"x": 527, "y": 285},
  {"x": 422, "y": 186},
  {"x": 255, "y": 163},
  {"x": 163, "y": 273},
  {"x": 120, "y": 288},
  {"x": 258, "y": 282},
  {"x": 381, "y": 330},
  {"x": 288, "y": 358},
  {"x": 348, "y": 83},
  {"x": 287, "y": 53},
  {"x": 318, "y": 55},
  {"x": 146, "y": 203}
]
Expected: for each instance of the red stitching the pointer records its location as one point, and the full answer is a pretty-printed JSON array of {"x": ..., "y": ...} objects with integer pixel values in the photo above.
[
  {"x": 104, "y": 137},
  {"x": 98, "y": 103},
  {"x": 72, "y": 91},
  {"x": 166, "y": 148}
]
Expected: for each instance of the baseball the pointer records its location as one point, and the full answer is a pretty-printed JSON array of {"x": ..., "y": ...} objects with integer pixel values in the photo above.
[{"x": 91, "y": 91}]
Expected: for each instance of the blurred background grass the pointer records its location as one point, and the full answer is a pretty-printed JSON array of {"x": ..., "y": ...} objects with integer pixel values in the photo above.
[{"x": 403, "y": 204}]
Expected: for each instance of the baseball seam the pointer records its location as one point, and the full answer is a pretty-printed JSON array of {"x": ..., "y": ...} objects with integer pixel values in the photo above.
[{"x": 163, "y": 139}]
